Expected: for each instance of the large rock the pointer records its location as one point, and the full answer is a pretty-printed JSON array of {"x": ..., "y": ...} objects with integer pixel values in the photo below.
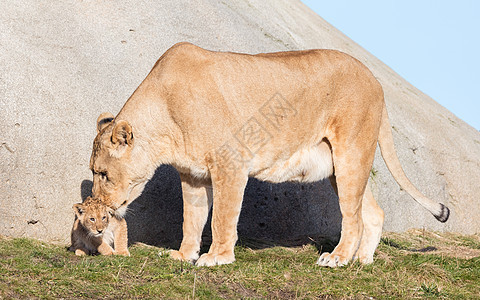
[{"x": 62, "y": 63}]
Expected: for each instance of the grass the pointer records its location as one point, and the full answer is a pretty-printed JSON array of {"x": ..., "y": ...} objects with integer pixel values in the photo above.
[
  {"x": 373, "y": 173},
  {"x": 416, "y": 264}
]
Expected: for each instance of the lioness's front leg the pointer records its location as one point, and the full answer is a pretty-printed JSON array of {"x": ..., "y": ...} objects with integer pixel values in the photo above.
[
  {"x": 121, "y": 238},
  {"x": 197, "y": 200},
  {"x": 228, "y": 188}
]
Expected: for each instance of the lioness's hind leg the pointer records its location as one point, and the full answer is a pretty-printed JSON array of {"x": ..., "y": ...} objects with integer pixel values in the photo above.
[
  {"x": 197, "y": 200},
  {"x": 373, "y": 217},
  {"x": 350, "y": 196},
  {"x": 352, "y": 163}
]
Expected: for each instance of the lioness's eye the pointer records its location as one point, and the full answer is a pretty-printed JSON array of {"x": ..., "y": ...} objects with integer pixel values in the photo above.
[
  {"x": 103, "y": 218},
  {"x": 103, "y": 175},
  {"x": 92, "y": 219}
]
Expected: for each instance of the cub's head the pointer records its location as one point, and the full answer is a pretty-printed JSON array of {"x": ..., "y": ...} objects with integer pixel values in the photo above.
[
  {"x": 114, "y": 167},
  {"x": 93, "y": 215}
]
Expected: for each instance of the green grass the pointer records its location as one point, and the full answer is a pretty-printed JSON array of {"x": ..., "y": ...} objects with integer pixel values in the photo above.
[{"x": 416, "y": 264}]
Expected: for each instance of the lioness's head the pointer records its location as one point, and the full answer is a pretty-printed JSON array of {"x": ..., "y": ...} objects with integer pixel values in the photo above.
[
  {"x": 94, "y": 215},
  {"x": 114, "y": 167}
]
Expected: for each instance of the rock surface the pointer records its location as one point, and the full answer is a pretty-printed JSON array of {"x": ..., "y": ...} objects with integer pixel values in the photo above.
[{"x": 62, "y": 63}]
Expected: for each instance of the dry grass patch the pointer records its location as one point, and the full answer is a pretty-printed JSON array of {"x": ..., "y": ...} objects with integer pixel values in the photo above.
[{"x": 443, "y": 244}]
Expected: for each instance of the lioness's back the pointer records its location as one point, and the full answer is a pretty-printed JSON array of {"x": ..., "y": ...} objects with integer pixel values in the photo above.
[{"x": 236, "y": 87}]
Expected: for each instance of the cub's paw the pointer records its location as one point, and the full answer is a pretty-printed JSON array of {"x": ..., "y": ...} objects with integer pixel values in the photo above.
[
  {"x": 80, "y": 252},
  {"x": 181, "y": 256},
  {"x": 210, "y": 259},
  {"x": 332, "y": 260}
]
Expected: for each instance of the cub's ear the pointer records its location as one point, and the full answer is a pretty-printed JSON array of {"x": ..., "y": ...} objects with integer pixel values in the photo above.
[
  {"x": 103, "y": 120},
  {"x": 79, "y": 209},
  {"x": 122, "y": 133}
]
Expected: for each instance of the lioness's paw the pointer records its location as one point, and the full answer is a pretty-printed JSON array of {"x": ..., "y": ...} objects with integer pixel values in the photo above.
[
  {"x": 210, "y": 260},
  {"x": 332, "y": 260},
  {"x": 181, "y": 256},
  {"x": 364, "y": 257},
  {"x": 122, "y": 252}
]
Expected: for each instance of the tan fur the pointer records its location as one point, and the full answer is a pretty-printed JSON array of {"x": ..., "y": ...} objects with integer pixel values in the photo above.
[
  {"x": 97, "y": 230},
  {"x": 219, "y": 118}
]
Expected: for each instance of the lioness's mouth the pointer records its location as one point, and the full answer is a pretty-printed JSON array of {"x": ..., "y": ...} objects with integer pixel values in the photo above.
[
  {"x": 116, "y": 207},
  {"x": 121, "y": 210}
]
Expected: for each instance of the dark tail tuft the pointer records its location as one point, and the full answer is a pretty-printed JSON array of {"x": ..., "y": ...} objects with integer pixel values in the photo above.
[{"x": 443, "y": 216}]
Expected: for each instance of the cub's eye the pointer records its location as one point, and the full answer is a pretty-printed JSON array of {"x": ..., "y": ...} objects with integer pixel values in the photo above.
[
  {"x": 104, "y": 218},
  {"x": 92, "y": 219}
]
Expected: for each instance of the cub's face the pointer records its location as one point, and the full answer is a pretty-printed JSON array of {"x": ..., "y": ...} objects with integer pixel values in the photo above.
[{"x": 93, "y": 215}]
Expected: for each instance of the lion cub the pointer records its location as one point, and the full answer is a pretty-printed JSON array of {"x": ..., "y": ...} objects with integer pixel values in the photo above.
[{"x": 97, "y": 230}]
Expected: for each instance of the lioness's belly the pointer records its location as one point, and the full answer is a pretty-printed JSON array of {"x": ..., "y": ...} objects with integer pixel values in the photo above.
[{"x": 306, "y": 165}]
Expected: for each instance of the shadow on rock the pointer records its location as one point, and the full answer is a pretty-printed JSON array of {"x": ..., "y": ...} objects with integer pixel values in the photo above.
[
  {"x": 86, "y": 189},
  {"x": 286, "y": 214}
]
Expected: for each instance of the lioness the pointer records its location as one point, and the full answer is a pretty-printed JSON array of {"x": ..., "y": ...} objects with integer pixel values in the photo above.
[
  {"x": 220, "y": 118},
  {"x": 96, "y": 230}
]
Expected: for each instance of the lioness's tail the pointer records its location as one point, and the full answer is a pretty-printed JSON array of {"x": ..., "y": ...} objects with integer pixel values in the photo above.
[{"x": 387, "y": 148}]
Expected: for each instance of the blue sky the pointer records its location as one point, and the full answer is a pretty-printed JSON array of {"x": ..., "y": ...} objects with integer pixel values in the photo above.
[{"x": 434, "y": 44}]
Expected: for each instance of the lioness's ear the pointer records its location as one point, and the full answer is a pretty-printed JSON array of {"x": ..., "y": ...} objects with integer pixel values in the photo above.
[
  {"x": 79, "y": 209},
  {"x": 103, "y": 120},
  {"x": 122, "y": 133}
]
